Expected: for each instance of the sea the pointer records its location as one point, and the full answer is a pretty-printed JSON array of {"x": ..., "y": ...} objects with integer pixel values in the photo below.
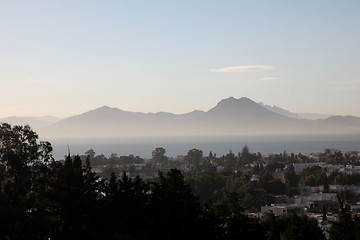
[{"x": 221, "y": 145}]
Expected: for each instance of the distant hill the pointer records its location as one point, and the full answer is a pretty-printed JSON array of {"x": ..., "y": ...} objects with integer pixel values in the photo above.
[
  {"x": 230, "y": 116},
  {"x": 280, "y": 111},
  {"x": 312, "y": 116},
  {"x": 34, "y": 122}
]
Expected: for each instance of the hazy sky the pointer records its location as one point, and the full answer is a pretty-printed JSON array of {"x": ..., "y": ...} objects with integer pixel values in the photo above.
[{"x": 65, "y": 57}]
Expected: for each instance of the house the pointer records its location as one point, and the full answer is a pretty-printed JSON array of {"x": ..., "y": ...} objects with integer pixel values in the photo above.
[
  {"x": 303, "y": 200},
  {"x": 299, "y": 167},
  {"x": 282, "y": 209}
]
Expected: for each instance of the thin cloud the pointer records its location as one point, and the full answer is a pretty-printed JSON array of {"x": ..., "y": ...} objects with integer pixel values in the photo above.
[
  {"x": 348, "y": 85},
  {"x": 244, "y": 68},
  {"x": 269, "y": 79},
  {"x": 351, "y": 82}
]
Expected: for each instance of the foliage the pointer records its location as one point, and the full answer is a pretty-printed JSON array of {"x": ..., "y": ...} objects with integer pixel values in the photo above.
[
  {"x": 208, "y": 185},
  {"x": 24, "y": 170},
  {"x": 296, "y": 225},
  {"x": 41, "y": 198},
  {"x": 313, "y": 176},
  {"x": 340, "y": 178},
  {"x": 158, "y": 157},
  {"x": 291, "y": 181},
  {"x": 346, "y": 227},
  {"x": 292, "y": 226},
  {"x": 271, "y": 185}
]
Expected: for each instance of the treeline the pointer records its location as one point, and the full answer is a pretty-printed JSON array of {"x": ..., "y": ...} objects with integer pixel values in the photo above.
[{"x": 41, "y": 198}]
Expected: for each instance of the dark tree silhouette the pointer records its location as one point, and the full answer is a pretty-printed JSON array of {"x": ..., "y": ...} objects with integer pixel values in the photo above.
[
  {"x": 346, "y": 227},
  {"x": 21, "y": 159},
  {"x": 174, "y": 208}
]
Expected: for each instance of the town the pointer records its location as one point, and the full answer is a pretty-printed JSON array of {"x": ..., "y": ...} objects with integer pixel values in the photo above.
[
  {"x": 234, "y": 196},
  {"x": 307, "y": 183}
]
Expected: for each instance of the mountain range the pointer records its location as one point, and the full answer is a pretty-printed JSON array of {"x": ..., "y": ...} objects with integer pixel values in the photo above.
[{"x": 230, "y": 116}]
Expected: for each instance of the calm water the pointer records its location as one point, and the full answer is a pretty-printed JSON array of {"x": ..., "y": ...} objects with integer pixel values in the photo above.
[{"x": 143, "y": 147}]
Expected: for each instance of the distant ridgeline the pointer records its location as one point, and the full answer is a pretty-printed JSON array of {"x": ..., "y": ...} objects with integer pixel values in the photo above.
[{"x": 229, "y": 117}]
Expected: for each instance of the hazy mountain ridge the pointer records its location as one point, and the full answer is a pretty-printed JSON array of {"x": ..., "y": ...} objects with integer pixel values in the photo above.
[
  {"x": 279, "y": 110},
  {"x": 311, "y": 116},
  {"x": 35, "y": 122},
  {"x": 230, "y": 116}
]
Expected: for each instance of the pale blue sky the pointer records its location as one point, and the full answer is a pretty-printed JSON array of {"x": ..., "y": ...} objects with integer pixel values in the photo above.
[{"x": 65, "y": 57}]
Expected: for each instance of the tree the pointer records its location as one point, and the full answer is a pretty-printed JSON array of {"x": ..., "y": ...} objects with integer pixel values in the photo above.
[
  {"x": 159, "y": 158},
  {"x": 273, "y": 226},
  {"x": 207, "y": 185},
  {"x": 256, "y": 169},
  {"x": 246, "y": 157},
  {"x": 244, "y": 227},
  {"x": 292, "y": 181},
  {"x": 124, "y": 208},
  {"x": 173, "y": 207},
  {"x": 272, "y": 166},
  {"x": 245, "y": 151},
  {"x": 211, "y": 155},
  {"x": 302, "y": 227},
  {"x": 21, "y": 159},
  {"x": 92, "y": 208},
  {"x": 90, "y": 153},
  {"x": 346, "y": 227},
  {"x": 272, "y": 185},
  {"x": 313, "y": 176},
  {"x": 193, "y": 159},
  {"x": 252, "y": 196},
  {"x": 230, "y": 161},
  {"x": 67, "y": 197},
  {"x": 292, "y": 226}
]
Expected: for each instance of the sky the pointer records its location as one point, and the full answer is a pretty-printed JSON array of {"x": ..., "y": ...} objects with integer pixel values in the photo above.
[{"x": 66, "y": 57}]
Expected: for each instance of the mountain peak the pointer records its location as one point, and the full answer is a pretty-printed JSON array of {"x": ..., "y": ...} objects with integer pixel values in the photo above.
[
  {"x": 230, "y": 104},
  {"x": 242, "y": 99},
  {"x": 102, "y": 110},
  {"x": 105, "y": 107}
]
